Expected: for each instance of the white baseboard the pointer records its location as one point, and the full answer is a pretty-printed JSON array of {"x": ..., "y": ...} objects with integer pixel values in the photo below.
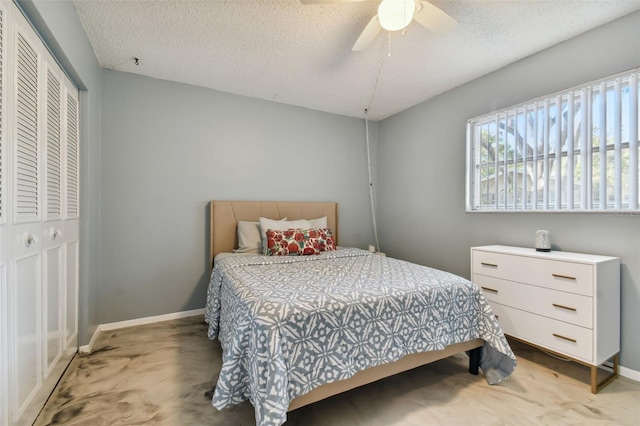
[
  {"x": 150, "y": 320},
  {"x": 86, "y": 349},
  {"x": 629, "y": 373},
  {"x": 622, "y": 371}
]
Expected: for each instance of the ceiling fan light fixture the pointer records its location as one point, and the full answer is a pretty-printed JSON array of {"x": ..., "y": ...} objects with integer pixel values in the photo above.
[{"x": 395, "y": 15}]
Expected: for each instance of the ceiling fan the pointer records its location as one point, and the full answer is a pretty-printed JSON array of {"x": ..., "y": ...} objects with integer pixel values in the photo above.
[{"x": 394, "y": 15}]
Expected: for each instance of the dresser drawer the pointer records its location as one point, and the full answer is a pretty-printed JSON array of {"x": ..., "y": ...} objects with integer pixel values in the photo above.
[
  {"x": 558, "y": 275},
  {"x": 558, "y": 336},
  {"x": 568, "y": 307}
]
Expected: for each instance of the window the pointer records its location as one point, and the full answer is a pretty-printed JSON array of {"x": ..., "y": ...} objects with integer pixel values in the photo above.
[{"x": 576, "y": 150}]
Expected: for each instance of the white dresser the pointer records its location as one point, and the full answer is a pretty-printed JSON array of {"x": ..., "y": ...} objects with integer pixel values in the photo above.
[{"x": 565, "y": 303}]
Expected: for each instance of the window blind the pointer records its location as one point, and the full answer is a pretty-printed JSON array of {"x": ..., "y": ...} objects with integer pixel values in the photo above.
[{"x": 576, "y": 150}]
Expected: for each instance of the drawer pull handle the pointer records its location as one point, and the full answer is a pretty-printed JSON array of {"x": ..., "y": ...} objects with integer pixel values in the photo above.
[
  {"x": 566, "y": 277},
  {"x": 492, "y": 265},
  {"x": 565, "y": 338},
  {"x": 492, "y": 290},
  {"x": 564, "y": 307}
]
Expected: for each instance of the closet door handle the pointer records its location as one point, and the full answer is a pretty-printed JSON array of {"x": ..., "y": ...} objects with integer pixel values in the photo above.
[
  {"x": 55, "y": 233},
  {"x": 29, "y": 239}
]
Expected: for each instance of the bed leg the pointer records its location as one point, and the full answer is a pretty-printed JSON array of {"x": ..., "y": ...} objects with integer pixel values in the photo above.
[
  {"x": 474, "y": 361},
  {"x": 209, "y": 394}
]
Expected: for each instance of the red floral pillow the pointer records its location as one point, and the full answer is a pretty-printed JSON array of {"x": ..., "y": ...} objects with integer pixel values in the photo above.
[{"x": 299, "y": 242}]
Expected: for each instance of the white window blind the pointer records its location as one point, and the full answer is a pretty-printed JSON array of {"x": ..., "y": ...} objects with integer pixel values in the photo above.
[
  {"x": 26, "y": 177},
  {"x": 575, "y": 150}
]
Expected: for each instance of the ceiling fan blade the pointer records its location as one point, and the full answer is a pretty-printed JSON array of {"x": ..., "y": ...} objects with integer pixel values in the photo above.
[
  {"x": 328, "y": 1},
  {"x": 434, "y": 19},
  {"x": 368, "y": 34}
]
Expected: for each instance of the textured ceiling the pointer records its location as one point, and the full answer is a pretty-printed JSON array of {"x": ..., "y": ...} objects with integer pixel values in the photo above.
[{"x": 284, "y": 51}]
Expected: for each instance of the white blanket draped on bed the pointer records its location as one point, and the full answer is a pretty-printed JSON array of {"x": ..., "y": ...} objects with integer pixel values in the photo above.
[{"x": 290, "y": 324}]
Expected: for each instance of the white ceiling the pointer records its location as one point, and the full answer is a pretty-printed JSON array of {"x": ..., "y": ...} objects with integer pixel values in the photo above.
[{"x": 284, "y": 51}]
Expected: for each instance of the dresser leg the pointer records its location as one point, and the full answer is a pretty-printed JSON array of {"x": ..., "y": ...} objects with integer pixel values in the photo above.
[{"x": 595, "y": 386}]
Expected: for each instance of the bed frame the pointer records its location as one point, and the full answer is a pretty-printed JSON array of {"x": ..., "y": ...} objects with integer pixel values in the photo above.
[{"x": 224, "y": 219}]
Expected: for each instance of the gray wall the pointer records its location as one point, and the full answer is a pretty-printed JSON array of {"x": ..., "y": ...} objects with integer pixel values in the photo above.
[
  {"x": 421, "y": 170},
  {"x": 169, "y": 148},
  {"x": 58, "y": 23}
]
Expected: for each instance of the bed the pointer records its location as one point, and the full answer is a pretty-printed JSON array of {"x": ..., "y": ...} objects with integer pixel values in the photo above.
[{"x": 297, "y": 329}]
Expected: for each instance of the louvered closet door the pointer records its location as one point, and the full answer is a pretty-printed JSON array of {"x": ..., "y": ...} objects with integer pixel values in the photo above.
[
  {"x": 4, "y": 343},
  {"x": 53, "y": 249},
  {"x": 71, "y": 210},
  {"x": 25, "y": 264},
  {"x": 41, "y": 223},
  {"x": 3, "y": 125}
]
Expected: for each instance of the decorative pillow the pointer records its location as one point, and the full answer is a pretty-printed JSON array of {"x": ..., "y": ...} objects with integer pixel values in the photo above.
[
  {"x": 280, "y": 225},
  {"x": 320, "y": 222},
  {"x": 249, "y": 238},
  {"x": 299, "y": 242}
]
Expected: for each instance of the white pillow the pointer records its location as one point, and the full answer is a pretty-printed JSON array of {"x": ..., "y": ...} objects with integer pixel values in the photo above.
[
  {"x": 249, "y": 238},
  {"x": 320, "y": 222},
  {"x": 280, "y": 225}
]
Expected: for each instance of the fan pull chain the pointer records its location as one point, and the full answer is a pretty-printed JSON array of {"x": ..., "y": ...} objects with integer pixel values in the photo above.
[
  {"x": 377, "y": 82},
  {"x": 366, "y": 123}
]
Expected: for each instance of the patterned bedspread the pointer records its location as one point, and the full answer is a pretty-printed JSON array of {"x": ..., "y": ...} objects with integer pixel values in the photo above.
[{"x": 290, "y": 324}]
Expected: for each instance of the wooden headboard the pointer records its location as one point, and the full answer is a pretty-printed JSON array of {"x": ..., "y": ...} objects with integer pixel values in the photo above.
[{"x": 226, "y": 214}]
